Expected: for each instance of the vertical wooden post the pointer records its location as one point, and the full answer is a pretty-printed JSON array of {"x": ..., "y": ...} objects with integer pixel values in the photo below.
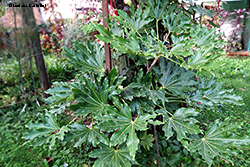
[
  {"x": 106, "y": 45},
  {"x": 134, "y": 2},
  {"x": 32, "y": 33}
]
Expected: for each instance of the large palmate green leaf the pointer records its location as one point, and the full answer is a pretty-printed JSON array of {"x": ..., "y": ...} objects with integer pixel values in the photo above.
[
  {"x": 60, "y": 93},
  {"x": 134, "y": 23},
  {"x": 46, "y": 132},
  {"x": 111, "y": 157},
  {"x": 105, "y": 35},
  {"x": 61, "y": 97},
  {"x": 138, "y": 19},
  {"x": 157, "y": 8},
  {"x": 211, "y": 93},
  {"x": 141, "y": 104},
  {"x": 217, "y": 139},
  {"x": 176, "y": 79},
  {"x": 87, "y": 58},
  {"x": 176, "y": 22},
  {"x": 206, "y": 49},
  {"x": 202, "y": 11},
  {"x": 147, "y": 141},
  {"x": 142, "y": 87},
  {"x": 203, "y": 36},
  {"x": 125, "y": 125},
  {"x": 132, "y": 90},
  {"x": 130, "y": 45},
  {"x": 182, "y": 122},
  {"x": 140, "y": 90},
  {"x": 182, "y": 48},
  {"x": 201, "y": 57},
  {"x": 92, "y": 96},
  {"x": 84, "y": 134}
]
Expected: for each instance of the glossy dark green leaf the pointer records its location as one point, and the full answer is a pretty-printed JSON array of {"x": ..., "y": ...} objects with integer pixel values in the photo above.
[
  {"x": 131, "y": 91},
  {"x": 137, "y": 21},
  {"x": 87, "y": 134},
  {"x": 176, "y": 79},
  {"x": 60, "y": 93},
  {"x": 92, "y": 97},
  {"x": 217, "y": 139},
  {"x": 157, "y": 8},
  {"x": 182, "y": 122},
  {"x": 89, "y": 58},
  {"x": 46, "y": 132},
  {"x": 111, "y": 157},
  {"x": 211, "y": 93},
  {"x": 122, "y": 120}
]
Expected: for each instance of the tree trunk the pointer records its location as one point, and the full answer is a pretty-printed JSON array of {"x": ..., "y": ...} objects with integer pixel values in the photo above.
[{"x": 31, "y": 31}]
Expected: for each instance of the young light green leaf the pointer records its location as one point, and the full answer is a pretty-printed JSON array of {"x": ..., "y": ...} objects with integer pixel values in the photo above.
[{"x": 147, "y": 141}]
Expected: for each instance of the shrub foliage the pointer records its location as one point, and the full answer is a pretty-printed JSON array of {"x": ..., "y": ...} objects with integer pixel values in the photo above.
[{"x": 158, "y": 95}]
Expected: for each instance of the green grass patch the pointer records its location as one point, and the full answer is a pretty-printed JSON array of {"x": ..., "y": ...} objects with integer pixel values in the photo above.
[{"x": 235, "y": 74}]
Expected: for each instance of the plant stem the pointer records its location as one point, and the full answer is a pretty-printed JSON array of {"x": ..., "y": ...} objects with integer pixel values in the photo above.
[
  {"x": 171, "y": 94},
  {"x": 157, "y": 146},
  {"x": 171, "y": 60},
  {"x": 139, "y": 34},
  {"x": 167, "y": 35},
  {"x": 172, "y": 101},
  {"x": 155, "y": 60},
  {"x": 72, "y": 120},
  {"x": 147, "y": 65},
  {"x": 165, "y": 110},
  {"x": 157, "y": 29}
]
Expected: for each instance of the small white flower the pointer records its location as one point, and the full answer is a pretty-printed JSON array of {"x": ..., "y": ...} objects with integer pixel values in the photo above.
[{"x": 65, "y": 164}]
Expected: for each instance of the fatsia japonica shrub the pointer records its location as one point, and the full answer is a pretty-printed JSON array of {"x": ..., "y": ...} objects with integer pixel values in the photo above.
[{"x": 157, "y": 96}]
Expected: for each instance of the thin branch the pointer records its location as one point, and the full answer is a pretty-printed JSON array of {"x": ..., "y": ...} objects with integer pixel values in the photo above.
[
  {"x": 164, "y": 110},
  {"x": 155, "y": 60}
]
